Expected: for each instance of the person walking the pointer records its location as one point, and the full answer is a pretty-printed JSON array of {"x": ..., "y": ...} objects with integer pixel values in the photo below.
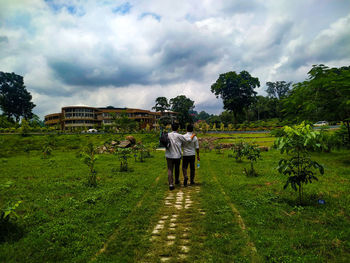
[
  {"x": 173, "y": 154},
  {"x": 189, "y": 155}
]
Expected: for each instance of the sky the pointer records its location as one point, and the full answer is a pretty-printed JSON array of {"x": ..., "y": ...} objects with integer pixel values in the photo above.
[{"x": 128, "y": 53}]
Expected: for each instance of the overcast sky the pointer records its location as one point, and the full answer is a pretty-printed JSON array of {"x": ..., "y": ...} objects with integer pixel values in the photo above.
[{"x": 128, "y": 53}]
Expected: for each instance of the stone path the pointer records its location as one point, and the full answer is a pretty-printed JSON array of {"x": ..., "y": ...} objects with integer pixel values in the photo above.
[{"x": 171, "y": 236}]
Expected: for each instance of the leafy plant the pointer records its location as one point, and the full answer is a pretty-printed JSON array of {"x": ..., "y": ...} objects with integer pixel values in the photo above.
[
  {"x": 218, "y": 147},
  {"x": 252, "y": 153},
  {"x": 9, "y": 211},
  {"x": 238, "y": 150},
  {"x": 123, "y": 155},
  {"x": 298, "y": 141},
  {"x": 141, "y": 149},
  {"x": 25, "y": 128},
  {"x": 47, "y": 151},
  {"x": 89, "y": 157},
  {"x": 205, "y": 145}
]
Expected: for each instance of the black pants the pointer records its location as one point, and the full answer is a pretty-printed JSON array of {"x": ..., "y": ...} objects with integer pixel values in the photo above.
[
  {"x": 173, "y": 163},
  {"x": 188, "y": 160}
]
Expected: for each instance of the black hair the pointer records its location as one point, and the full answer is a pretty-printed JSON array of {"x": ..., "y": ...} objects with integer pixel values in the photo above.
[
  {"x": 175, "y": 126},
  {"x": 190, "y": 128}
]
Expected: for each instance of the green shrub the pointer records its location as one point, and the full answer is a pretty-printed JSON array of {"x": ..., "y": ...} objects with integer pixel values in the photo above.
[
  {"x": 9, "y": 211},
  {"x": 123, "y": 155},
  {"x": 252, "y": 153},
  {"x": 238, "y": 150},
  {"x": 89, "y": 158},
  {"x": 298, "y": 141}
]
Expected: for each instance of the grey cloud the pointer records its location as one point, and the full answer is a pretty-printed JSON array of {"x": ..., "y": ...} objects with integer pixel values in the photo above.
[
  {"x": 241, "y": 6},
  {"x": 332, "y": 44},
  {"x": 4, "y": 39}
]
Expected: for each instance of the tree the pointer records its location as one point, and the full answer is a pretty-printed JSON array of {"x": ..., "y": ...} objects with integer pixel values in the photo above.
[
  {"x": 161, "y": 104},
  {"x": 15, "y": 100},
  {"x": 227, "y": 117},
  {"x": 278, "y": 89},
  {"x": 182, "y": 105},
  {"x": 324, "y": 96},
  {"x": 236, "y": 90},
  {"x": 298, "y": 141},
  {"x": 203, "y": 116},
  {"x": 264, "y": 108},
  {"x": 122, "y": 122}
]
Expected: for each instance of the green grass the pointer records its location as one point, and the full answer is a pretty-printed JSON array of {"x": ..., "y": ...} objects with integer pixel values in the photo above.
[
  {"x": 64, "y": 220},
  {"x": 281, "y": 230}
]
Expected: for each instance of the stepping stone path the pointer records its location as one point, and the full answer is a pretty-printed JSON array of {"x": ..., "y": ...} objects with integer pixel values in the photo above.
[{"x": 171, "y": 236}]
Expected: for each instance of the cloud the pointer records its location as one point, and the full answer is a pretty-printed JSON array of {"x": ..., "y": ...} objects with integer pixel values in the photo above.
[{"x": 127, "y": 53}]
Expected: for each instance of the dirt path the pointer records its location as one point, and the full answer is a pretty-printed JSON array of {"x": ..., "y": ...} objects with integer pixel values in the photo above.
[{"x": 171, "y": 236}]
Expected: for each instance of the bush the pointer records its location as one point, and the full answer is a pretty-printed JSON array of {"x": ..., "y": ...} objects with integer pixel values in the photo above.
[
  {"x": 298, "y": 141},
  {"x": 252, "y": 153}
]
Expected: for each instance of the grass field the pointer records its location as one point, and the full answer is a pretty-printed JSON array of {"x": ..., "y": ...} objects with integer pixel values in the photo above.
[{"x": 243, "y": 220}]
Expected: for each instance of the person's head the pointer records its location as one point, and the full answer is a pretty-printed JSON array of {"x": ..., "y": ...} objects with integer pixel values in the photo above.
[
  {"x": 190, "y": 128},
  {"x": 175, "y": 126}
]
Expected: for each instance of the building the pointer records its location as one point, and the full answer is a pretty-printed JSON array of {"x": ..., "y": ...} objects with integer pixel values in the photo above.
[{"x": 73, "y": 117}]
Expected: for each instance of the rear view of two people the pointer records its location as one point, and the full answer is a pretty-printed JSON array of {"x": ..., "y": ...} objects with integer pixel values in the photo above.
[{"x": 173, "y": 154}]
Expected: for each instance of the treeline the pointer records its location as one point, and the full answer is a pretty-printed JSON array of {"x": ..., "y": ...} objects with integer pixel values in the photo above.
[{"x": 325, "y": 95}]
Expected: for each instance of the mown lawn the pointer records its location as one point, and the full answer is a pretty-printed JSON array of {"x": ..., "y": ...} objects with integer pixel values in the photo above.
[{"x": 64, "y": 220}]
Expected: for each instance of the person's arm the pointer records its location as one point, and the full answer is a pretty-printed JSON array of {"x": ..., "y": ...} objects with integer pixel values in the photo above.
[
  {"x": 198, "y": 158},
  {"x": 184, "y": 138},
  {"x": 197, "y": 150}
]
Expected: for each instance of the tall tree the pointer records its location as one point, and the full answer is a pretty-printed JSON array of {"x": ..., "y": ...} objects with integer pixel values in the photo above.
[
  {"x": 15, "y": 100},
  {"x": 203, "y": 116},
  {"x": 236, "y": 90},
  {"x": 324, "y": 96},
  {"x": 161, "y": 104},
  {"x": 182, "y": 105},
  {"x": 278, "y": 89}
]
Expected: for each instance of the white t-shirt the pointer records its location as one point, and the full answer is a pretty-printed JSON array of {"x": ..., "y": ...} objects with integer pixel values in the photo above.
[
  {"x": 189, "y": 148},
  {"x": 176, "y": 140}
]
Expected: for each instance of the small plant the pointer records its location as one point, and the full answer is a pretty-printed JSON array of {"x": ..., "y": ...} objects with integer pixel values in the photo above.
[
  {"x": 205, "y": 146},
  {"x": 47, "y": 151},
  {"x": 25, "y": 128},
  {"x": 218, "y": 148},
  {"x": 89, "y": 157},
  {"x": 238, "y": 150},
  {"x": 298, "y": 141},
  {"x": 8, "y": 212},
  {"x": 252, "y": 153},
  {"x": 141, "y": 149},
  {"x": 123, "y": 155}
]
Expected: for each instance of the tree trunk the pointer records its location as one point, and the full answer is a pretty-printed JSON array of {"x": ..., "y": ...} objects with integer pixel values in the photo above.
[{"x": 347, "y": 123}]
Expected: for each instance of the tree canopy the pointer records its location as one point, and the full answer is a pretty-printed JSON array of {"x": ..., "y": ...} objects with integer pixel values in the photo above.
[
  {"x": 161, "y": 104},
  {"x": 236, "y": 90},
  {"x": 15, "y": 100},
  {"x": 182, "y": 105},
  {"x": 324, "y": 96},
  {"x": 278, "y": 89}
]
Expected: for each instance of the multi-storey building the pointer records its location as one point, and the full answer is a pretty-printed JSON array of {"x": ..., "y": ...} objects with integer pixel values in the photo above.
[{"x": 87, "y": 117}]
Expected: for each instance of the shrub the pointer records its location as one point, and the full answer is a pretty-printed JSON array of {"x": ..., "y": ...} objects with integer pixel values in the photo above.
[
  {"x": 123, "y": 155},
  {"x": 8, "y": 212},
  {"x": 205, "y": 145},
  {"x": 252, "y": 153},
  {"x": 89, "y": 158},
  {"x": 298, "y": 141},
  {"x": 238, "y": 150}
]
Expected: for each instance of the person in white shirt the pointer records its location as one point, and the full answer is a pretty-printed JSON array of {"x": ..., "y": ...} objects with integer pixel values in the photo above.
[
  {"x": 173, "y": 154},
  {"x": 189, "y": 155}
]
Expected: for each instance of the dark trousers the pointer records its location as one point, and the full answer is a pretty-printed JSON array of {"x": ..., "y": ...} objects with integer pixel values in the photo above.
[
  {"x": 188, "y": 160},
  {"x": 173, "y": 163}
]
